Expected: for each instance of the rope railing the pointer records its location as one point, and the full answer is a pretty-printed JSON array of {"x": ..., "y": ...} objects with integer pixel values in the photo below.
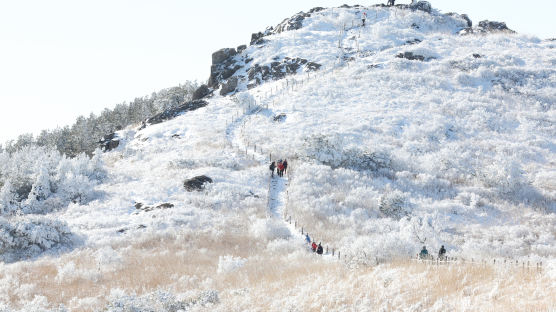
[{"x": 505, "y": 262}]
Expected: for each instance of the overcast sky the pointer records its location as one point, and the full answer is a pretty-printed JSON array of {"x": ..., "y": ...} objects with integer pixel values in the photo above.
[{"x": 63, "y": 58}]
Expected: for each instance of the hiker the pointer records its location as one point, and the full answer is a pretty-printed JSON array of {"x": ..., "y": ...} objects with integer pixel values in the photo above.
[
  {"x": 424, "y": 253},
  {"x": 442, "y": 253},
  {"x": 285, "y": 163},
  {"x": 319, "y": 249},
  {"x": 363, "y": 18},
  {"x": 280, "y": 169},
  {"x": 272, "y": 166},
  {"x": 307, "y": 238},
  {"x": 314, "y": 246}
]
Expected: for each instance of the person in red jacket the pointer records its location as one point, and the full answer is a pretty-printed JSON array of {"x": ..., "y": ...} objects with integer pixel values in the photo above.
[
  {"x": 280, "y": 169},
  {"x": 314, "y": 247}
]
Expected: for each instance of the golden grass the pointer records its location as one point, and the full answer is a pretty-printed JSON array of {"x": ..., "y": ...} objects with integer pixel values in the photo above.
[{"x": 274, "y": 282}]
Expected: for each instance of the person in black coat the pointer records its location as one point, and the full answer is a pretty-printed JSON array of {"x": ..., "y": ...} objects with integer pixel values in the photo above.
[
  {"x": 285, "y": 163},
  {"x": 272, "y": 167},
  {"x": 442, "y": 253},
  {"x": 319, "y": 249}
]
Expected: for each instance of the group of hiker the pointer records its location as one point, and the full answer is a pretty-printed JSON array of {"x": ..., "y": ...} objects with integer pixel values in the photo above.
[
  {"x": 424, "y": 254},
  {"x": 281, "y": 167},
  {"x": 314, "y": 247}
]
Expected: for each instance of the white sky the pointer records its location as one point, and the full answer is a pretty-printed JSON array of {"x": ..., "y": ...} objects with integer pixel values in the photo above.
[{"x": 63, "y": 58}]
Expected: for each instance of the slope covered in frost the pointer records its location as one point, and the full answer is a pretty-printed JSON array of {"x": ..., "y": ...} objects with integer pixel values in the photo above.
[{"x": 412, "y": 130}]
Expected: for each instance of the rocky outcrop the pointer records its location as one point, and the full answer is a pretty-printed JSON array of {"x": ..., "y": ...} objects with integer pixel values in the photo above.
[
  {"x": 145, "y": 208},
  {"x": 223, "y": 66},
  {"x": 467, "y": 19},
  {"x": 279, "y": 118},
  {"x": 316, "y": 9},
  {"x": 201, "y": 92},
  {"x": 278, "y": 70},
  {"x": 463, "y": 17},
  {"x": 257, "y": 38},
  {"x": 413, "y": 57},
  {"x": 241, "y": 48},
  {"x": 414, "y": 41},
  {"x": 222, "y": 55},
  {"x": 424, "y": 6},
  {"x": 174, "y": 112},
  {"x": 196, "y": 183},
  {"x": 109, "y": 142},
  {"x": 229, "y": 86},
  {"x": 486, "y": 27},
  {"x": 491, "y": 26},
  {"x": 293, "y": 23}
]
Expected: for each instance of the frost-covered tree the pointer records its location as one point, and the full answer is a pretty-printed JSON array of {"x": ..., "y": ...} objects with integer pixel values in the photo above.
[
  {"x": 37, "y": 180},
  {"x": 40, "y": 190},
  {"x": 84, "y": 134},
  {"x": 7, "y": 199}
]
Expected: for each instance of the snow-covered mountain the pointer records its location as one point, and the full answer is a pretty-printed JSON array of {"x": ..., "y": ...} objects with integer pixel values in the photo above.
[{"x": 417, "y": 129}]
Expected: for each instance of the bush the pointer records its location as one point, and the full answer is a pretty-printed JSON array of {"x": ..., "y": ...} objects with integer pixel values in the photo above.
[
  {"x": 332, "y": 152},
  {"x": 393, "y": 204},
  {"x": 27, "y": 236},
  {"x": 38, "y": 180}
]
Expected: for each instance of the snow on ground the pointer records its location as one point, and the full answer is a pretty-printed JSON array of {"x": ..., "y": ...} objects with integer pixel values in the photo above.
[{"x": 386, "y": 154}]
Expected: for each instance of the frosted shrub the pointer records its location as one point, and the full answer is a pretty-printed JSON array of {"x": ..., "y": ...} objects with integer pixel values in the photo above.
[
  {"x": 504, "y": 175},
  {"x": 245, "y": 100},
  {"x": 332, "y": 152},
  {"x": 159, "y": 301},
  {"x": 393, "y": 204},
  {"x": 29, "y": 235},
  {"x": 228, "y": 264},
  {"x": 38, "y": 180}
]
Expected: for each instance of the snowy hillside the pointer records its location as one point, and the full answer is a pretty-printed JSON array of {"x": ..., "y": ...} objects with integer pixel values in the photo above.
[{"x": 414, "y": 130}]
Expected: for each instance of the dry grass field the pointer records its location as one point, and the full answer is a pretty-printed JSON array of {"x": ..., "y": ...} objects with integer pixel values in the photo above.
[{"x": 269, "y": 279}]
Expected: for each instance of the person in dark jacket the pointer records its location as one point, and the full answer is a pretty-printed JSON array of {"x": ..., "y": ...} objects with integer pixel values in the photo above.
[
  {"x": 314, "y": 247},
  {"x": 319, "y": 249},
  {"x": 272, "y": 166},
  {"x": 285, "y": 163},
  {"x": 424, "y": 254},
  {"x": 442, "y": 253}
]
